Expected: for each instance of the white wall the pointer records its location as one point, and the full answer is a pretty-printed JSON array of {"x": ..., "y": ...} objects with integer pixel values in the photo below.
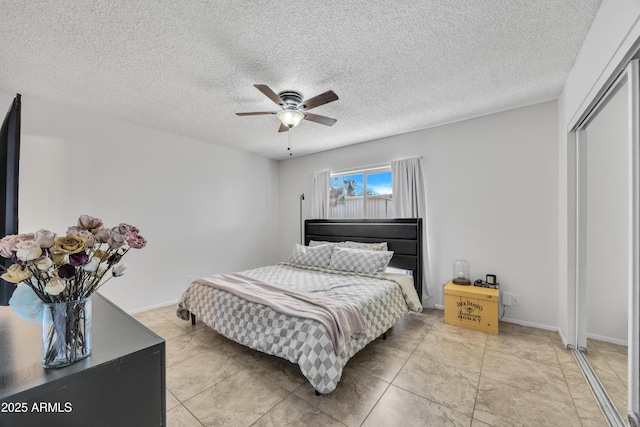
[
  {"x": 203, "y": 208},
  {"x": 491, "y": 199},
  {"x": 615, "y": 28}
]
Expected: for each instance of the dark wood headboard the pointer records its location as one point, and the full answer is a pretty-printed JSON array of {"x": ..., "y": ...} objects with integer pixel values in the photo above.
[{"x": 403, "y": 237}]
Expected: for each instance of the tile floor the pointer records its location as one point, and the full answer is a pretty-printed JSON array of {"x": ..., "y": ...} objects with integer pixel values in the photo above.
[
  {"x": 425, "y": 374},
  {"x": 609, "y": 361}
]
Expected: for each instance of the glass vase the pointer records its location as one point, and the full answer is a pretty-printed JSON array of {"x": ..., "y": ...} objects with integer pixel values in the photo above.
[{"x": 66, "y": 332}]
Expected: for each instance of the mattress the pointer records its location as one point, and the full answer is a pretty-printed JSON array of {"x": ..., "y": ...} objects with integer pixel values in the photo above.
[{"x": 306, "y": 342}]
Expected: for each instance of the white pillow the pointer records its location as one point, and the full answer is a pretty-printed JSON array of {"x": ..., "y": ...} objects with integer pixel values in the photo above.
[
  {"x": 382, "y": 246},
  {"x": 360, "y": 260},
  {"x": 408, "y": 289},
  {"x": 314, "y": 243},
  {"x": 318, "y": 256}
]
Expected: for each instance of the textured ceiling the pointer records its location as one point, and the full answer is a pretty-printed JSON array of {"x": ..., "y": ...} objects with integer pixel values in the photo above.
[{"x": 186, "y": 67}]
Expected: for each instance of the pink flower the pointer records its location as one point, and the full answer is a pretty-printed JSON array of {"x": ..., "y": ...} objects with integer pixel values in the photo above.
[
  {"x": 126, "y": 229},
  {"x": 89, "y": 223},
  {"x": 45, "y": 238},
  {"x": 27, "y": 236},
  {"x": 136, "y": 241},
  {"x": 8, "y": 245}
]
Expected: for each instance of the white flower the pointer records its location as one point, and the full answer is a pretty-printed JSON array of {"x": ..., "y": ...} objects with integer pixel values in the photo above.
[
  {"x": 92, "y": 265},
  {"x": 28, "y": 250},
  {"x": 55, "y": 286},
  {"x": 118, "y": 270}
]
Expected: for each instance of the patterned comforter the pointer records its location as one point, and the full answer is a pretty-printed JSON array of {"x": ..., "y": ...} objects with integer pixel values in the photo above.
[{"x": 303, "y": 341}]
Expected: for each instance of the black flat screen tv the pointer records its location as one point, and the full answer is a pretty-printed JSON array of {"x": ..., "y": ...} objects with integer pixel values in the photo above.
[{"x": 10, "y": 163}]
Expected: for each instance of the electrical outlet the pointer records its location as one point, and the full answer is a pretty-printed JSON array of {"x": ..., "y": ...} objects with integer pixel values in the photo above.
[{"x": 515, "y": 300}]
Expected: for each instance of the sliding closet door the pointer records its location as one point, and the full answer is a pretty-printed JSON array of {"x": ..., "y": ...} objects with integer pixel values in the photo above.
[{"x": 607, "y": 244}]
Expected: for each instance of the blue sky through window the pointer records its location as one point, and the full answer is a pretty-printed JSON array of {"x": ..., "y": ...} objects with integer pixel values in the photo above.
[{"x": 377, "y": 183}]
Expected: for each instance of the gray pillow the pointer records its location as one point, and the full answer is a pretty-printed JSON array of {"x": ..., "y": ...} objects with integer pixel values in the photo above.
[
  {"x": 318, "y": 256},
  {"x": 360, "y": 260}
]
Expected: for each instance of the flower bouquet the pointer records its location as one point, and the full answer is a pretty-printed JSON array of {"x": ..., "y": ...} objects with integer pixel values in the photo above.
[{"x": 63, "y": 272}]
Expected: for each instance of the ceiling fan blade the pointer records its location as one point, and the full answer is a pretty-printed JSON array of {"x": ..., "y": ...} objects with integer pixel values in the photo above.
[
  {"x": 256, "y": 113},
  {"x": 270, "y": 94},
  {"x": 328, "y": 121},
  {"x": 316, "y": 101},
  {"x": 283, "y": 128}
]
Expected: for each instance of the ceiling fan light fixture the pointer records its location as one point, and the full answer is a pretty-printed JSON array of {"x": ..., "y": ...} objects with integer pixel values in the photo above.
[{"x": 290, "y": 118}]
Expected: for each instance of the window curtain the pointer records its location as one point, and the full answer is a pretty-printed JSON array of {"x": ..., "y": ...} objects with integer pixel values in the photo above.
[
  {"x": 320, "y": 194},
  {"x": 409, "y": 199}
]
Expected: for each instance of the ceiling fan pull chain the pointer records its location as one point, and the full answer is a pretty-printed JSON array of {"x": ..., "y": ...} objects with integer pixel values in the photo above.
[{"x": 289, "y": 146}]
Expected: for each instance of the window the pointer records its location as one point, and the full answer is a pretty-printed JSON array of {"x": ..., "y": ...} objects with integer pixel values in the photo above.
[{"x": 364, "y": 193}]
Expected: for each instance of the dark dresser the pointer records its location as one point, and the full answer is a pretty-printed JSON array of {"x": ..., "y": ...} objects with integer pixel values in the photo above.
[{"x": 122, "y": 383}]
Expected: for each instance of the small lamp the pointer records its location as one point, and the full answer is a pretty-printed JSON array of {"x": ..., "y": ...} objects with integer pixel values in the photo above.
[
  {"x": 290, "y": 118},
  {"x": 461, "y": 272}
]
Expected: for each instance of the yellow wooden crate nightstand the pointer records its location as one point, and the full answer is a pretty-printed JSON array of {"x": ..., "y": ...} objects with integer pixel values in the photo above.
[{"x": 471, "y": 307}]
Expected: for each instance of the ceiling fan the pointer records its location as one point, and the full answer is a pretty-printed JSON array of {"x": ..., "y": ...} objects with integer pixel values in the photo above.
[{"x": 294, "y": 109}]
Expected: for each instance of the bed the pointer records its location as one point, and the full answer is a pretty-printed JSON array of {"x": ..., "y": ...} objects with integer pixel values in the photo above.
[{"x": 287, "y": 309}]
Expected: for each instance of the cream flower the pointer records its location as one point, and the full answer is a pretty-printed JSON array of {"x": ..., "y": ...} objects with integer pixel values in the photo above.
[
  {"x": 102, "y": 268},
  {"x": 59, "y": 258},
  {"x": 16, "y": 274},
  {"x": 102, "y": 235},
  {"x": 55, "y": 286},
  {"x": 100, "y": 254},
  {"x": 43, "y": 263},
  {"x": 28, "y": 250}
]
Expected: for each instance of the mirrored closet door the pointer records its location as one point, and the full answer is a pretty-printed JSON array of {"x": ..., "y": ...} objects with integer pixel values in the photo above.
[{"x": 607, "y": 248}]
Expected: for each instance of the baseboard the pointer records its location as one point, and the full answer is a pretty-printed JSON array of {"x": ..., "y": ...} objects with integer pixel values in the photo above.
[
  {"x": 428, "y": 301},
  {"x": 608, "y": 339},
  {"x": 530, "y": 324},
  {"x": 517, "y": 322},
  {"x": 151, "y": 307}
]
